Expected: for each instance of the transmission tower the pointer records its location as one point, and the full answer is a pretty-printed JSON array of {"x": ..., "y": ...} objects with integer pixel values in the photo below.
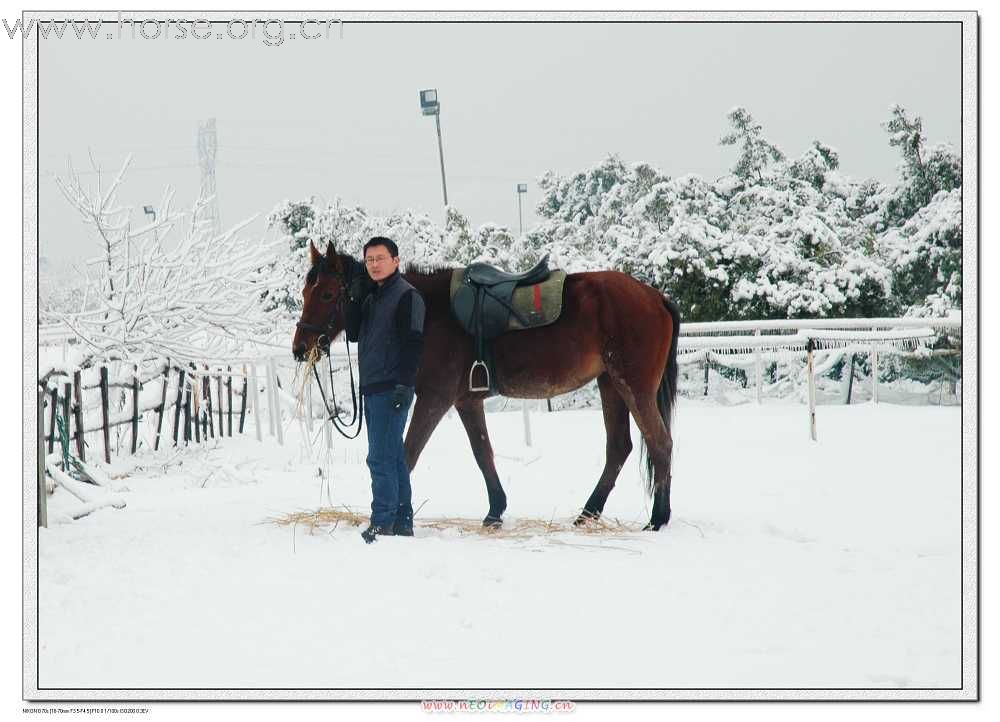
[{"x": 207, "y": 146}]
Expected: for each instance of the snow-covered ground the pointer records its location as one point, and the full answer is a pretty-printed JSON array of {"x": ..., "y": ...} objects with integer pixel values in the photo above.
[{"x": 787, "y": 563}]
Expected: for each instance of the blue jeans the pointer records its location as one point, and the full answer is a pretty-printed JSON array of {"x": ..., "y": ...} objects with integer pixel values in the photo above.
[{"x": 391, "y": 494}]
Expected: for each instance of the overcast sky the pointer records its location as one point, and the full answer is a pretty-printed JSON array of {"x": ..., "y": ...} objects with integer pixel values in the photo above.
[{"x": 341, "y": 117}]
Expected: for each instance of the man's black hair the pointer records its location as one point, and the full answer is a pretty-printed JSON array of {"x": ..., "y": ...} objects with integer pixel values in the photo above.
[{"x": 382, "y": 241}]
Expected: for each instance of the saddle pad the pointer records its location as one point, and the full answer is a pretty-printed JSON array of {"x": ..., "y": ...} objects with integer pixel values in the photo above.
[{"x": 539, "y": 305}]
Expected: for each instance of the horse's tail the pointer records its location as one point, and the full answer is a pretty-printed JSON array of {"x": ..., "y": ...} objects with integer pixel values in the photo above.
[{"x": 666, "y": 395}]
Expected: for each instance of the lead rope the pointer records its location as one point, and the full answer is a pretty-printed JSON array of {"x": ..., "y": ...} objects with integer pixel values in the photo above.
[{"x": 357, "y": 407}]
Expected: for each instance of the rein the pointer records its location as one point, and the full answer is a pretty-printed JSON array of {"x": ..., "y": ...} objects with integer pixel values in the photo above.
[{"x": 357, "y": 405}]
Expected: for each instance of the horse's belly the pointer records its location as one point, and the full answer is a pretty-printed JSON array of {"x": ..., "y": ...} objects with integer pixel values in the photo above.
[{"x": 545, "y": 376}]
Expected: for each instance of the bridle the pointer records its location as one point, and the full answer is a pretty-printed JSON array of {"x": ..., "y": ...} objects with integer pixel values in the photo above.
[{"x": 357, "y": 401}]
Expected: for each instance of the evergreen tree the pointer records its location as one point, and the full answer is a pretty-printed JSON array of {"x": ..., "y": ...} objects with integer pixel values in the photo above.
[
  {"x": 756, "y": 152},
  {"x": 924, "y": 171}
]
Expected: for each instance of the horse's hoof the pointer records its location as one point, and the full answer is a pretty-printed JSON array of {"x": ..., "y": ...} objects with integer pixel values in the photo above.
[
  {"x": 652, "y": 527},
  {"x": 586, "y": 517},
  {"x": 492, "y": 522}
]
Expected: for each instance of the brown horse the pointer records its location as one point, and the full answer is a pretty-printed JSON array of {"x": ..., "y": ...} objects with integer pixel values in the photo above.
[{"x": 612, "y": 328}]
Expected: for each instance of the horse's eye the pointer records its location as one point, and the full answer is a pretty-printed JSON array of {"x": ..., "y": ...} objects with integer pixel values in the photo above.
[{"x": 326, "y": 297}]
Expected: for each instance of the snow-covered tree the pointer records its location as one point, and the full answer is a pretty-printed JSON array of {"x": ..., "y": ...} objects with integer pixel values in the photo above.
[
  {"x": 197, "y": 300},
  {"x": 925, "y": 257},
  {"x": 924, "y": 171},
  {"x": 774, "y": 238},
  {"x": 671, "y": 238},
  {"x": 920, "y": 224},
  {"x": 756, "y": 152},
  {"x": 792, "y": 255},
  {"x": 816, "y": 166}
]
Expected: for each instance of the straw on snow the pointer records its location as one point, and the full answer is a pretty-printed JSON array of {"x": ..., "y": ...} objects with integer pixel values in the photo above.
[{"x": 515, "y": 528}]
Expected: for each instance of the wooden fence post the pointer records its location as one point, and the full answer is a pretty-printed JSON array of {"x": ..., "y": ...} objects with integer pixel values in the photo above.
[
  {"x": 206, "y": 413},
  {"x": 187, "y": 413},
  {"x": 81, "y": 442},
  {"x": 874, "y": 373},
  {"x": 812, "y": 389},
  {"x": 218, "y": 385},
  {"x": 163, "y": 404},
  {"x": 177, "y": 404},
  {"x": 758, "y": 363},
  {"x": 229, "y": 399},
  {"x": 196, "y": 396},
  {"x": 52, "y": 415},
  {"x": 272, "y": 384},
  {"x": 135, "y": 408},
  {"x": 67, "y": 389},
  {"x": 256, "y": 399},
  {"x": 105, "y": 413},
  {"x": 207, "y": 384},
  {"x": 270, "y": 403},
  {"x": 850, "y": 378},
  {"x": 42, "y": 499},
  {"x": 243, "y": 399}
]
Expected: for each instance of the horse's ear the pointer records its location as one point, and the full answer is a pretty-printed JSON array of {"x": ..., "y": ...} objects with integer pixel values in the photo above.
[
  {"x": 333, "y": 259},
  {"x": 314, "y": 255}
]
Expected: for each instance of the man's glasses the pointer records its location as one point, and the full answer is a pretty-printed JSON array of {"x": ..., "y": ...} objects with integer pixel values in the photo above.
[{"x": 372, "y": 260}]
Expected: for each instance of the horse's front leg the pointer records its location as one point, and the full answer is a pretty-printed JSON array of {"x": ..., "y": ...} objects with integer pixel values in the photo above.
[
  {"x": 474, "y": 419},
  {"x": 428, "y": 411}
]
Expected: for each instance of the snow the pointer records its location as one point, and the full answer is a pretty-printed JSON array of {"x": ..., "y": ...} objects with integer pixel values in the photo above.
[{"x": 787, "y": 563}]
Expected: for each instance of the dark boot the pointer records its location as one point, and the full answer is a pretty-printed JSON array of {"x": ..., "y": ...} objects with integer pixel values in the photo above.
[
  {"x": 403, "y": 527},
  {"x": 372, "y": 531}
]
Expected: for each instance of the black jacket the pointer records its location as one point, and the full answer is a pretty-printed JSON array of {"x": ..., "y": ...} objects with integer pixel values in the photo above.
[{"x": 388, "y": 326}]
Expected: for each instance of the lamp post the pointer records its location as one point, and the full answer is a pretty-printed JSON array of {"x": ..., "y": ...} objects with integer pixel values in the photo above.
[
  {"x": 430, "y": 106},
  {"x": 522, "y": 188}
]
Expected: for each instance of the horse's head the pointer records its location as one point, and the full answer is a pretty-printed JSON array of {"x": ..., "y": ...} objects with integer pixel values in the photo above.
[{"x": 323, "y": 298}]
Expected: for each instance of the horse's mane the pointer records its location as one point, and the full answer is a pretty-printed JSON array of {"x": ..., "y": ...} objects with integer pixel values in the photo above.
[{"x": 427, "y": 269}]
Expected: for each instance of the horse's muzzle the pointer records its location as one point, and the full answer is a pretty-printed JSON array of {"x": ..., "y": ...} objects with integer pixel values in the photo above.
[{"x": 302, "y": 350}]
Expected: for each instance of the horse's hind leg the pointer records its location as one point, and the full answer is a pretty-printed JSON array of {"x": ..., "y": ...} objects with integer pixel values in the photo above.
[
  {"x": 474, "y": 419},
  {"x": 619, "y": 445},
  {"x": 659, "y": 446}
]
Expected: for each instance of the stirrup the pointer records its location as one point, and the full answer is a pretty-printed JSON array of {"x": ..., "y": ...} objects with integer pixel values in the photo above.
[{"x": 472, "y": 371}]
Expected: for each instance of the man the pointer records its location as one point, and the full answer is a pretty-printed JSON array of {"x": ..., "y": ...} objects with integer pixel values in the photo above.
[{"x": 386, "y": 318}]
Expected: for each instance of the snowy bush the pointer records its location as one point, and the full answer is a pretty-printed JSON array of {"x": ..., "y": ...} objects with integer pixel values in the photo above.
[{"x": 195, "y": 300}]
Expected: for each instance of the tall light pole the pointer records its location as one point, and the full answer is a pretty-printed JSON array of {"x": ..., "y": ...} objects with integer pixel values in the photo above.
[
  {"x": 208, "y": 145},
  {"x": 430, "y": 106},
  {"x": 522, "y": 188}
]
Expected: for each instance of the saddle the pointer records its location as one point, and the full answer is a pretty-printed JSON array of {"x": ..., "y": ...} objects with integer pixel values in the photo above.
[{"x": 488, "y": 302}]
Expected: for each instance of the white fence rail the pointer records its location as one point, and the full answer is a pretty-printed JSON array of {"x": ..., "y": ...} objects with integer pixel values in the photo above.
[
  {"x": 728, "y": 344},
  {"x": 273, "y": 380}
]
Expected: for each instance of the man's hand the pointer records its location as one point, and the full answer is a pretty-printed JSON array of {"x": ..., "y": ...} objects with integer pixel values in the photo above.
[{"x": 401, "y": 396}]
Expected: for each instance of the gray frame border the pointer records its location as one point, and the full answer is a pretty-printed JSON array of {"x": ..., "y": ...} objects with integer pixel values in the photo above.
[{"x": 970, "y": 381}]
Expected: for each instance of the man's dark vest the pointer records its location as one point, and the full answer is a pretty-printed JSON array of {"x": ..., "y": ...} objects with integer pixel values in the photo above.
[{"x": 379, "y": 346}]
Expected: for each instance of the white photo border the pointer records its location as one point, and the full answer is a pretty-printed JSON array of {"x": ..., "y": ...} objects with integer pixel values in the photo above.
[{"x": 969, "y": 691}]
